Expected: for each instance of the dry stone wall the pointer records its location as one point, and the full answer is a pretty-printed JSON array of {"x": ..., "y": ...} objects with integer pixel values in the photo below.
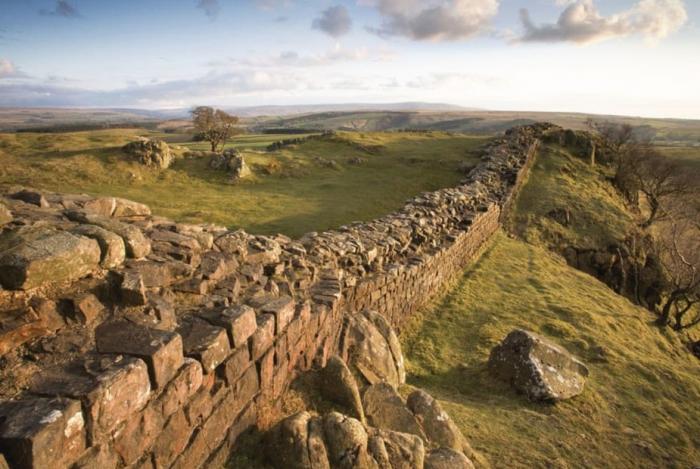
[{"x": 129, "y": 340}]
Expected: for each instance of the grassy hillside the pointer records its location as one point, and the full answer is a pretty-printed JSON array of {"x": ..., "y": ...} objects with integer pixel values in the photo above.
[
  {"x": 640, "y": 407},
  {"x": 669, "y": 131},
  {"x": 309, "y": 187}
]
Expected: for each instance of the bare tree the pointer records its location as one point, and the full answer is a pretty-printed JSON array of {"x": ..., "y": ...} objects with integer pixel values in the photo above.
[
  {"x": 680, "y": 260},
  {"x": 663, "y": 181},
  {"x": 613, "y": 139},
  {"x": 214, "y": 125}
]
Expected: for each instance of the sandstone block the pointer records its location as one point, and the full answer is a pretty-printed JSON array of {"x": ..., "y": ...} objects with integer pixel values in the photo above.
[
  {"x": 42, "y": 432},
  {"x": 136, "y": 244},
  {"x": 239, "y": 322},
  {"x": 161, "y": 350},
  {"x": 129, "y": 208},
  {"x": 111, "y": 245},
  {"x": 172, "y": 440},
  {"x": 236, "y": 364},
  {"x": 86, "y": 308},
  {"x": 263, "y": 336},
  {"x": 132, "y": 290},
  {"x": 47, "y": 256},
  {"x": 183, "y": 386},
  {"x": 283, "y": 309},
  {"x": 206, "y": 343}
]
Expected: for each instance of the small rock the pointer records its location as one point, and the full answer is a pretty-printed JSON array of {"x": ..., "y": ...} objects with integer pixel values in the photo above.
[{"x": 445, "y": 458}]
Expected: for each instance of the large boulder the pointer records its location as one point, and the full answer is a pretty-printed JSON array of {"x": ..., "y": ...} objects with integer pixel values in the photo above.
[
  {"x": 338, "y": 385},
  {"x": 43, "y": 255},
  {"x": 338, "y": 441},
  {"x": 538, "y": 368},
  {"x": 373, "y": 350},
  {"x": 445, "y": 458},
  {"x": 152, "y": 153},
  {"x": 385, "y": 409}
]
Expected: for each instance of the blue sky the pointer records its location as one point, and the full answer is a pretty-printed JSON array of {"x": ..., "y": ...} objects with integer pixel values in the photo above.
[{"x": 635, "y": 57}]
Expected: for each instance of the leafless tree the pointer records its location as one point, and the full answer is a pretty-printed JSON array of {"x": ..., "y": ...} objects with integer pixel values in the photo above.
[
  {"x": 663, "y": 181},
  {"x": 613, "y": 139},
  {"x": 214, "y": 125},
  {"x": 680, "y": 260}
]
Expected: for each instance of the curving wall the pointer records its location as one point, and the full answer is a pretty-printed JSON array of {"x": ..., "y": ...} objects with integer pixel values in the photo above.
[{"x": 128, "y": 340}]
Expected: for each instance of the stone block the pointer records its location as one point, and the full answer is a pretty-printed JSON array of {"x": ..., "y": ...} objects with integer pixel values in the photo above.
[
  {"x": 239, "y": 322},
  {"x": 267, "y": 369},
  {"x": 172, "y": 440},
  {"x": 132, "y": 290},
  {"x": 236, "y": 364},
  {"x": 5, "y": 215},
  {"x": 263, "y": 336},
  {"x": 86, "y": 308},
  {"x": 283, "y": 309},
  {"x": 136, "y": 244},
  {"x": 42, "y": 432},
  {"x": 47, "y": 256},
  {"x": 111, "y": 245},
  {"x": 109, "y": 397},
  {"x": 135, "y": 437},
  {"x": 206, "y": 343},
  {"x": 179, "y": 391},
  {"x": 97, "y": 457},
  {"x": 161, "y": 350}
]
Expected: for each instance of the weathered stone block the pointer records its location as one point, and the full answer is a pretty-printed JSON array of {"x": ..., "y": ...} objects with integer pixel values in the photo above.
[
  {"x": 42, "y": 432},
  {"x": 236, "y": 364},
  {"x": 239, "y": 322},
  {"x": 263, "y": 336},
  {"x": 283, "y": 309},
  {"x": 172, "y": 440},
  {"x": 86, "y": 308},
  {"x": 136, "y": 244},
  {"x": 133, "y": 290},
  {"x": 161, "y": 350},
  {"x": 181, "y": 388},
  {"x": 137, "y": 434},
  {"x": 111, "y": 245},
  {"x": 47, "y": 256},
  {"x": 206, "y": 343}
]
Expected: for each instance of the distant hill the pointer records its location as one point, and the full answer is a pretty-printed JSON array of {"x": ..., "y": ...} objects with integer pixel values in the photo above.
[{"x": 254, "y": 111}]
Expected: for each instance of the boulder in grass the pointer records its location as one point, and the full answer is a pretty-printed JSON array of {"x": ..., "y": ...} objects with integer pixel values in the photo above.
[
  {"x": 151, "y": 153},
  {"x": 537, "y": 367}
]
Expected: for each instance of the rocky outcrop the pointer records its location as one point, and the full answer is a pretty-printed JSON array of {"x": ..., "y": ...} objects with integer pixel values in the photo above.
[
  {"x": 338, "y": 385},
  {"x": 151, "y": 153},
  {"x": 538, "y": 368},
  {"x": 233, "y": 163}
]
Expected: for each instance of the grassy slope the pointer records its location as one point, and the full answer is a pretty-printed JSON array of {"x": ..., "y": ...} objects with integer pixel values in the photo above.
[
  {"x": 640, "y": 408},
  {"x": 300, "y": 195}
]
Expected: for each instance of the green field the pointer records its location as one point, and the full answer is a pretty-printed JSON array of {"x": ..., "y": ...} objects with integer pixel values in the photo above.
[
  {"x": 309, "y": 187},
  {"x": 640, "y": 406}
]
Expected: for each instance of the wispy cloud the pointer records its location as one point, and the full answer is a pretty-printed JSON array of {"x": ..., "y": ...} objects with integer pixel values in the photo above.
[
  {"x": 334, "y": 21},
  {"x": 293, "y": 59},
  {"x": 9, "y": 70},
  {"x": 64, "y": 9},
  {"x": 211, "y": 8},
  {"x": 433, "y": 20},
  {"x": 581, "y": 22},
  {"x": 210, "y": 88}
]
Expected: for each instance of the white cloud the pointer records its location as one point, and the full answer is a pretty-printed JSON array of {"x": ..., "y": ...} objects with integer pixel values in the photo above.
[
  {"x": 433, "y": 20},
  {"x": 581, "y": 22},
  {"x": 334, "y": 21}
]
